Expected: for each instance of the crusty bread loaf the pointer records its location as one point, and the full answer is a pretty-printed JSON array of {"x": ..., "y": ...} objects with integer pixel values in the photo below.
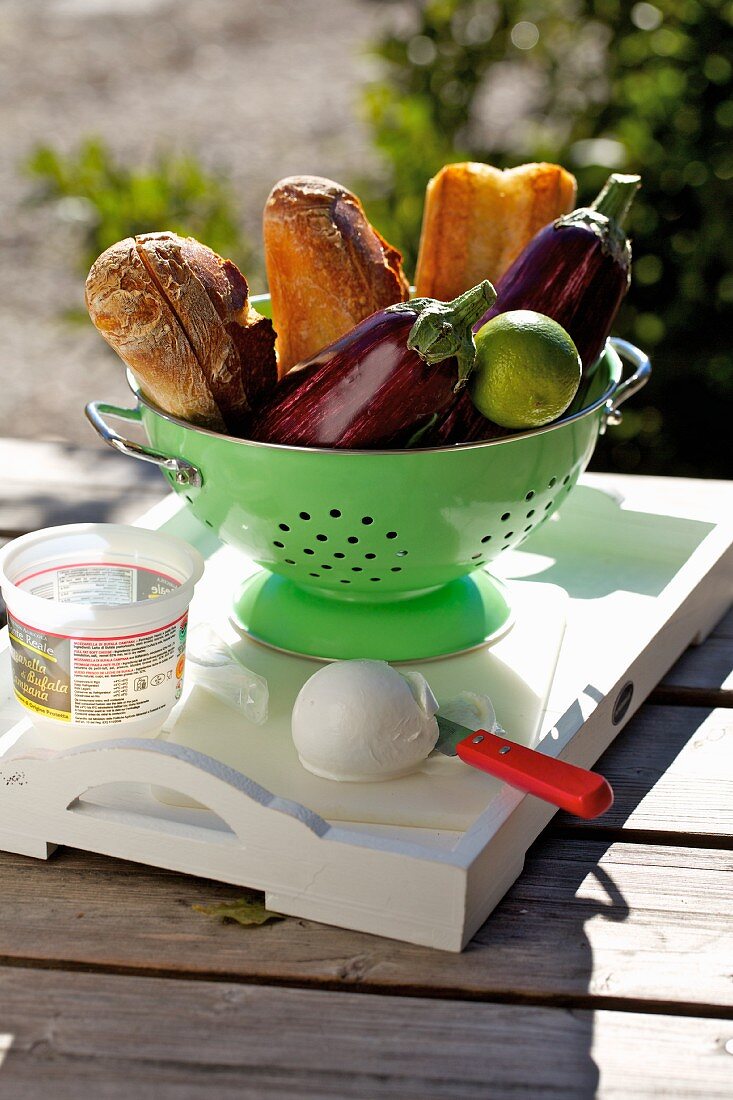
[
  {"x": 327, "y": 267},
  {"x": 477, "y": 220},
  {"x": 252, "y": 336},
  {"x": 179, "y": 316},
  {"x": 137, "y": 322}
]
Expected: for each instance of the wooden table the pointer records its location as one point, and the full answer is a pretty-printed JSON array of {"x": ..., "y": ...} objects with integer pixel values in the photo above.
[{"x": 606, "y": 970}]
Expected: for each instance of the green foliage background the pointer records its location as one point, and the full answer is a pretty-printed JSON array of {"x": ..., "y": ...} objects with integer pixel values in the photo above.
[
  {"x": 637, "y": 87},
  {"x": 606, "y": 85},
  {"x": 112, "y": 200}
]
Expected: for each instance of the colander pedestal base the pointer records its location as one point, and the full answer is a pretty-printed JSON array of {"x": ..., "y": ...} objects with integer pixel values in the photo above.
[{"x": 461, "y": 615}]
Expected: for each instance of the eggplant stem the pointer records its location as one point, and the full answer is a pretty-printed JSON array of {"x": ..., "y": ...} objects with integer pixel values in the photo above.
[
  {"x": 443, "y": 330},
  {"x": 615, "y": 200}
]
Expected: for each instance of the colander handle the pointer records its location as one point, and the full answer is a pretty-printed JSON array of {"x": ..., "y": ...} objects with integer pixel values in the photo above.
[
  {"x": 184, "y": 473},
  {"x": 642, "y": 372}
]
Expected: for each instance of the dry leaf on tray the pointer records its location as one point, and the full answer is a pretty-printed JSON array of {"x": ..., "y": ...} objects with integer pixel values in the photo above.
[{"x": 247, "y": 911}]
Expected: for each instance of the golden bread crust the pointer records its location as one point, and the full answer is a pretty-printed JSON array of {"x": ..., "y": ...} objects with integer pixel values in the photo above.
[
  {"x": 252, "y": 336},
  {"x": 209, "y": 357},
  {"x": 327, "y": 267},
  {"x": 478, "y": 219},
  {"x": 136, "y": 321},
  {"x": 185, "y": 293}
]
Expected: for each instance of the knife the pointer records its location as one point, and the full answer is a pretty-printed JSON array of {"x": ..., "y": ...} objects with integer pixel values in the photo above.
[{"x": 580, "y": 792}]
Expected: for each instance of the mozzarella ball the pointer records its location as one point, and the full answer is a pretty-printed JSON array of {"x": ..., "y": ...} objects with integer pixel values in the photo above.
[{"x": 361, "y": 721}]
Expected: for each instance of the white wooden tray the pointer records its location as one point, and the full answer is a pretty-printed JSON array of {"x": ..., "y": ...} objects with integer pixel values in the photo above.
[{"x": 642, "y": 578}]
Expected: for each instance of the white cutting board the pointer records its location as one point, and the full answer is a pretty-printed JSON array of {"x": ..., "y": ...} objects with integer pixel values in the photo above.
[{"x": 444, "y": 794}]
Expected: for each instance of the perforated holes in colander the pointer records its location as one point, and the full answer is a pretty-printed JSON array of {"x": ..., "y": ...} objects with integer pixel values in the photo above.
[
  {"x": 320, "y": 537},
  {"x": 366, "y": 524}
]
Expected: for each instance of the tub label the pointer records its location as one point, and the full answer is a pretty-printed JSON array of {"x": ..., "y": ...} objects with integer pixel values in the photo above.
[
  {"x": 103, "y": 583},
  {"x": 97, "y": 681},
  {"x": 41, "y": 670}
]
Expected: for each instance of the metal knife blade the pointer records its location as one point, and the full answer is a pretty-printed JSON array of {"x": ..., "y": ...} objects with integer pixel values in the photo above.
[{"x": 451, "y": 733}]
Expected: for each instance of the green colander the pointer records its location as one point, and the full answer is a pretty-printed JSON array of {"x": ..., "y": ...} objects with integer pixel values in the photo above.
[{"x": 376, "y": 554}]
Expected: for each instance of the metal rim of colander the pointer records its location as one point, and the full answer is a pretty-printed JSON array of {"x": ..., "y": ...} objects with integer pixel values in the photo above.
[{"x": 528, "y": 433}]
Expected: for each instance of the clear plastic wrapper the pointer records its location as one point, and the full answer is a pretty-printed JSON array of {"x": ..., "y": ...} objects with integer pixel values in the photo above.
[
  {"x": 472, "y": 710},
  {"x": 211, "y": 664}
]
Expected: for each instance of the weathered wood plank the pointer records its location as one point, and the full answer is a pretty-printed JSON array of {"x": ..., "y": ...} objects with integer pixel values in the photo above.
[
  {"x": 690, "y": 697},
  {"x": 26, "y": 507},
  {"x": 49, "y": 463},
  {"x": 51, "y": 483},
  {"x": 45, "y": 484},
  {"x": 121, "y": 1036},
  {"x": 670, "y": 772},
  {"x": 724, "y": 628},
  {"x": 704, "y": 673},
  {"x": 583, "y": 921},
  {"x": 706, "y": 667}
]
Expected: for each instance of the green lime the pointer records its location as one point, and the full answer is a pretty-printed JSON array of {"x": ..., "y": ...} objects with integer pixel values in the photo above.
[{"x": 527, "y": 370}]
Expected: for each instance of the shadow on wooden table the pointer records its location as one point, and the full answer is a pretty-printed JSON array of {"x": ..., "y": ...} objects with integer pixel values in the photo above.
[
  {"x": 552, "y": 916},
  {"x": 540, "y": 931}
]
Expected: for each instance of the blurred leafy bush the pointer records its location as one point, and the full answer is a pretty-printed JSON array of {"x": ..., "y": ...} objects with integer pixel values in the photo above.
[
  {"x": 110, "y": 200},
  {"x": 596, "y": 85}
]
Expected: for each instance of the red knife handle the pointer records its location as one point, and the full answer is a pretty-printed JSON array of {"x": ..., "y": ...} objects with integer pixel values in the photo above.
[{"x": 580, "y": 792}]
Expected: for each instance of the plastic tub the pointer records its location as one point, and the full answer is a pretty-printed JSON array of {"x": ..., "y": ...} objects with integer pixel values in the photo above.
[{"x": 97, "y": 616}]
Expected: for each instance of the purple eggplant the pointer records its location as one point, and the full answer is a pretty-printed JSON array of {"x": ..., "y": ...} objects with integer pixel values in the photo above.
[
  {"x": 575, "y": 270},
  {"x": 381, "y": 384}
]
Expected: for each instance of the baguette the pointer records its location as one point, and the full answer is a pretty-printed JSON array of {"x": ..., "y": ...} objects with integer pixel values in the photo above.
[
  {"x": 179, "y": 316},
  {"x": 327, "y": 267},
  {"x": 477, "y": 220}
]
